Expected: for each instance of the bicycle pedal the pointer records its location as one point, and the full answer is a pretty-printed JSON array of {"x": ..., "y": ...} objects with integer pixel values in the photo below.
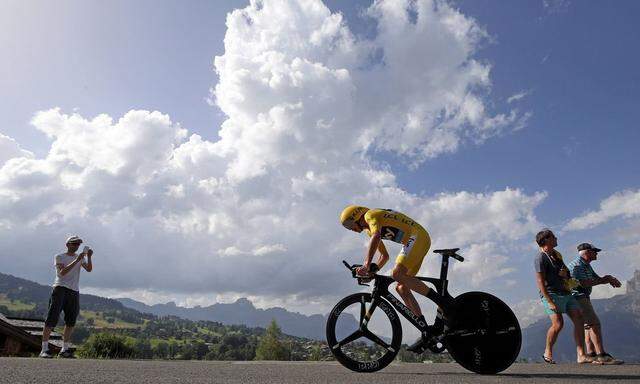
[
  {"x": 417, "y": 350},
  {"x": 418, "y": 347}
]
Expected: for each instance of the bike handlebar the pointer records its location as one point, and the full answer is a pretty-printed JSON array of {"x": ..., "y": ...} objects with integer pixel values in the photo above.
[{"x": 372, "y": 269}]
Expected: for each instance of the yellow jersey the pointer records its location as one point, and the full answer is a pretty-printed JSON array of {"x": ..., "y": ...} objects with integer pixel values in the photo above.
[{"x": 393, "y": 225}]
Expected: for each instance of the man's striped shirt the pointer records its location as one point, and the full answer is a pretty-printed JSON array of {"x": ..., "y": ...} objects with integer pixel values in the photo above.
[{"x": 582, "y": 270}]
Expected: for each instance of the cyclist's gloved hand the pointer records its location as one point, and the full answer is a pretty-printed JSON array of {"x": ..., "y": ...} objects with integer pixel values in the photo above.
[
  {"x": 367, "y": 270},
  {"x": 363, "y": 271}
]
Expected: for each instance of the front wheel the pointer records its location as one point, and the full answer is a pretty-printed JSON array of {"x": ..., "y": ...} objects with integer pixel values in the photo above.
[
  {"x": 483, "y": 334},
  {"x": 380, "y": 333}
]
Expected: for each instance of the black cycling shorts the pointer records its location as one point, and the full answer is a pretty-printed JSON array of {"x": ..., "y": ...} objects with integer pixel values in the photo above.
[{"x": 63, "y": 299}]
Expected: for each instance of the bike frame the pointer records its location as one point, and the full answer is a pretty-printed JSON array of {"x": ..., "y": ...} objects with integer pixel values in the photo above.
[
  {"x": 483, "y": 334},
  {"x": 381, "y": 290}
]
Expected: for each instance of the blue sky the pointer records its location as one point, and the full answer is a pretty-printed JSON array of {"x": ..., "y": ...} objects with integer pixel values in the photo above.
[
  {"x": 574, "y": 63},
  {"x": 580, "y": 71},
  {"x": 577, "y": 65}
]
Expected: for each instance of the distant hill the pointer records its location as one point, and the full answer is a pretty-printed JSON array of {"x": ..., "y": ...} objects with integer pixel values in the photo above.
[
  {"x": 26, "y": 291},
  {"x": 174, "y": 336},
  {"x": 245, "y": 313},
  {"x": 242, "y": 312},
  {"x": 620, "y": 318}
]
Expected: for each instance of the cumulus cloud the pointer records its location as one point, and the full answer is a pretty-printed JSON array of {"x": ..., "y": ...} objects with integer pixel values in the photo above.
[
  {"x": 622, "y": 204},
  {"x": 255, "y": 212},
  {"x": 9, "y": 149},
  {"x": 414, "y": 89},
  {"x": 528, "y": 312}
]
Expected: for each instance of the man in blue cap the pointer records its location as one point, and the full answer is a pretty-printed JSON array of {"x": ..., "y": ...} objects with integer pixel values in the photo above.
[{"x": 582, "y": 271}]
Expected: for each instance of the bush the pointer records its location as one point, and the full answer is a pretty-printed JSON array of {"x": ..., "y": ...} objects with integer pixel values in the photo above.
[
  {"x": 316, "y": 353},
  {"x": 106, "y": 346}
]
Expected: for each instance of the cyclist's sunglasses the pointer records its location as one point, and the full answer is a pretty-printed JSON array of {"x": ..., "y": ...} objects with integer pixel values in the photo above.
[{"x": 353, "y": 225}]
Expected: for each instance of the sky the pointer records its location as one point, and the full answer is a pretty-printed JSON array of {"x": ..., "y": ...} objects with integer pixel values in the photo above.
[{"x": 205, "y": 152}]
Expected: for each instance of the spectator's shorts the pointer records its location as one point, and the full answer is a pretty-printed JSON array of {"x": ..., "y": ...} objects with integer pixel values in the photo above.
[
  {"x": 589, "y": 315},
  {"x": 63, "y": 299},
  {"x": 565, "y": 303}
]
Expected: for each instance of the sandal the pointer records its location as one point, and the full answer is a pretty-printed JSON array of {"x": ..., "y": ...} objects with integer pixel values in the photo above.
[
  {"x": 586, "y": 360},
  {"x": 548, "y": 360}
]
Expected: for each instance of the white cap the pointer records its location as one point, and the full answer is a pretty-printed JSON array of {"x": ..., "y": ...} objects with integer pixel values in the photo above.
[{"x": 74, "y": 240}]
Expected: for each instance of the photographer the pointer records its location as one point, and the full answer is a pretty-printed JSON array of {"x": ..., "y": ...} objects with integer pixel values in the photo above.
[
  {"x": 65, "y": 294},
  {"x": 553, "y": 279}
]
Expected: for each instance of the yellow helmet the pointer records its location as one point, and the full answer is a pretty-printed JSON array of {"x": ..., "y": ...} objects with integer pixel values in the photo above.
[{"x": 351, "y": 215}]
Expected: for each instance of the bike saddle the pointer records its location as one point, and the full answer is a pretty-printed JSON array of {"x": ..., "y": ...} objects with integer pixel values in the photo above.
[{"x": 446, "y": 251}]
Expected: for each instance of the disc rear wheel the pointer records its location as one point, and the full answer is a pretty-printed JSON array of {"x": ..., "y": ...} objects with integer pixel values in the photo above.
[{"x": 483, "y": 334}]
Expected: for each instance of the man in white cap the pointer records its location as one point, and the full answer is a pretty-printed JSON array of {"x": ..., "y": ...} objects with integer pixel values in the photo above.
[
  {"x": 581, "y": 269},
  {"x": 65, "y": 294}
]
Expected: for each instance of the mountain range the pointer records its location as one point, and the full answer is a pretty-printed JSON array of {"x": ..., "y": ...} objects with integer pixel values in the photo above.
[
  {"x": 37, "y": 297},
  {"x": 241, "y": 312}
]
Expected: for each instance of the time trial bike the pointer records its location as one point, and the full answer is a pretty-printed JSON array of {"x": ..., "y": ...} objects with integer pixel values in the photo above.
[{"x": 478, "y": 330}]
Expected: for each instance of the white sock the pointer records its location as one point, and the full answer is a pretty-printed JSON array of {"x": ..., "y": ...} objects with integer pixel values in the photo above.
[
  {"x": 45, "y": 345},
  {"x": 65, "y": 346}
]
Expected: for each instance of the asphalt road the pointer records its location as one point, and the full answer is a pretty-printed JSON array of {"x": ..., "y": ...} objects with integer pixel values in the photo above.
[{"x": 40, "y": 371}]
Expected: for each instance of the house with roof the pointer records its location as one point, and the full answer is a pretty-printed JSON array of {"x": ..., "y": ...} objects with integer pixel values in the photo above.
[{"x": 23, "y": 337}]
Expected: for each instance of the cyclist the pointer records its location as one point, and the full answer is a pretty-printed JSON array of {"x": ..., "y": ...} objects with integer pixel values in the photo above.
[{"x": 386, "y": 224}]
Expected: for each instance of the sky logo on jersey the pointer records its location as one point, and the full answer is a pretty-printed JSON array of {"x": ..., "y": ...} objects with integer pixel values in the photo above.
[{"x": 393, "y": 234}]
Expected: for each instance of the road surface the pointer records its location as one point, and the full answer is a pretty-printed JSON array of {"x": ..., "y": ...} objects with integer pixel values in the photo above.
[{"x": 40, "y": 371}]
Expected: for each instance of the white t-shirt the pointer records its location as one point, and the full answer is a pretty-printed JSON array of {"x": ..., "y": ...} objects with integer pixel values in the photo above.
[{"x": 72, "y": 278}]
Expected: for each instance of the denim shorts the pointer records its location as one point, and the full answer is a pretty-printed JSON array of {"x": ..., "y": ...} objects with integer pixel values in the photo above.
[{"x": 564, "y": 303}]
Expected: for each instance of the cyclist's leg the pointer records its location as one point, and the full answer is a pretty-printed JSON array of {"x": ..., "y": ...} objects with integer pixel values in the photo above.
[
  {"x": 405, "y": 292},
  {"x": 407, "y": 266}
]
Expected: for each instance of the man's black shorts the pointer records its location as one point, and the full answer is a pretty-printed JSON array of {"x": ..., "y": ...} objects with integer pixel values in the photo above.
[{"x": 63, "y": 299}]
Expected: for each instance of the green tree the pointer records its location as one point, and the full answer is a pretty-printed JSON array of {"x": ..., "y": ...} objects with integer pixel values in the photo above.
[
  {"x": 161, "y": 350},
  {"x": 187, "y": 352},
  {"x": 270, "y": 346},
  {"x": 174, "y": 349},
  {"x": 143, "y": 349},
  {"x": 200, "y": 349}
]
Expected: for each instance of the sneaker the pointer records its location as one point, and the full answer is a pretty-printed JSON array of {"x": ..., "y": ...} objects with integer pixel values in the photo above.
[
  {"x": 45, "y": 354},
  {"x": 66, "y": 355},
  {"x": 607, "y": 359}
]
